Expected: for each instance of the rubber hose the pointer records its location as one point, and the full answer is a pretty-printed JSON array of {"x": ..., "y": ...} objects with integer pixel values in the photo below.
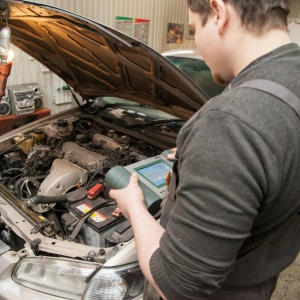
[{"x": 40, "y": 199}]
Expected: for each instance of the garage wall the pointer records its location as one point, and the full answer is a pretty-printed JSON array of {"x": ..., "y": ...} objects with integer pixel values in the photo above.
[
  {"x": 294, "y": 15},
  {"x": 159, "y": 12}
]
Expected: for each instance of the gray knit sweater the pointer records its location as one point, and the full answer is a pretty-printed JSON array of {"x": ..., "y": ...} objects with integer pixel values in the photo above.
[{"x": 239, "y": 180}]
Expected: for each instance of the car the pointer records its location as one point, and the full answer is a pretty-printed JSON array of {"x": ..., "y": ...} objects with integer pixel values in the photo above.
[
  {"x": 193, "y": 65},
  {"x": 62, "y": 237}
]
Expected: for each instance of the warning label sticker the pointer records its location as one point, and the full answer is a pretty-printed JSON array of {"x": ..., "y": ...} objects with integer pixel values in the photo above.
[{"x": 95, "y": 216}]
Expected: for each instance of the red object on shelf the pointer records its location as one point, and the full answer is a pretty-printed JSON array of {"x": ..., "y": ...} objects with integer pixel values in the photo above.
[{"x": 10, "y": 122}]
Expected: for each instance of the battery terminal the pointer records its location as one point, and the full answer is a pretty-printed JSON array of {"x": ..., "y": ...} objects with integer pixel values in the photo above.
[
  {"x": 117, "y": 213},
  {"x": 95, "y": 191}
]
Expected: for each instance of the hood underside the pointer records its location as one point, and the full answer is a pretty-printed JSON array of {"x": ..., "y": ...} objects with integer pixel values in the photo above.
[{"x": 96, "y": 60}]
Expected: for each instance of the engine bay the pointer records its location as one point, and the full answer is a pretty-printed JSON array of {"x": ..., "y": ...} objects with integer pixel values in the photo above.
[{"x": 54, "y": 174}]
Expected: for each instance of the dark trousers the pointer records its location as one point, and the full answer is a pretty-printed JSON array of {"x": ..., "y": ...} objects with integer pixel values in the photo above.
[{"x": 261, "y": 291}]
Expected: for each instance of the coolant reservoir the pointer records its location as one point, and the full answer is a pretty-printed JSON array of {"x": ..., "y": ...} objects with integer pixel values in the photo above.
[
  {"x": 39, "y": 136},
  {"x": 28, "y": 143},
  {"x": 61, "y": 127}
]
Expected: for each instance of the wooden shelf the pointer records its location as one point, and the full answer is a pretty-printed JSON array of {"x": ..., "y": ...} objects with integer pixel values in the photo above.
[{"x": 10, "y": 122}]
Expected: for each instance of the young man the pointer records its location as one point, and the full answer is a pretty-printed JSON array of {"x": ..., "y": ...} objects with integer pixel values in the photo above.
[{"x": 229, "y": 226}]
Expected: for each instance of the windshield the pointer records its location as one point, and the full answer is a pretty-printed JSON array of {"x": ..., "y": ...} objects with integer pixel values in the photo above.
[
  {"x": 142, "y": 119},
  {"x": 198, "y": 71}
]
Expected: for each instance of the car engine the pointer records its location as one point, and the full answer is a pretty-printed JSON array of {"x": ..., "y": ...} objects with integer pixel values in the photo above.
[{"x": 55, "y": 174}]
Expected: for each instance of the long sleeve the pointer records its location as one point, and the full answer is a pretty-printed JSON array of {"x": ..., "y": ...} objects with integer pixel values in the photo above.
[{"x": 239, "y": 172}]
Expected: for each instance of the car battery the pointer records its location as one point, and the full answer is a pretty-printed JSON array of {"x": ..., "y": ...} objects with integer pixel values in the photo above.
[{"x": 100, "y": 223}]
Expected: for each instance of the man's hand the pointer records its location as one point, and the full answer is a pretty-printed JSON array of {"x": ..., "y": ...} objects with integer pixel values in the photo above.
[{"x": 130, "y": 200}]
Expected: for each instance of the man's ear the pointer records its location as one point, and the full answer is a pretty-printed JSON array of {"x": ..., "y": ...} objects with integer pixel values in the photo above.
[{"x": 220, "y": 13}]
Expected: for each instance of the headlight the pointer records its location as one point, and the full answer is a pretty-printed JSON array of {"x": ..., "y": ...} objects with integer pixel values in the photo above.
[
  {"x": 59, "y": 277},
  {"x": 125, "y": 282}
]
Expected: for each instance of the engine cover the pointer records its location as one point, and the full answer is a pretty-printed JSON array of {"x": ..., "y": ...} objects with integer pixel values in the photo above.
[
  {"x": 83, "y": 157},
  {"x": 63, "y": 177}
]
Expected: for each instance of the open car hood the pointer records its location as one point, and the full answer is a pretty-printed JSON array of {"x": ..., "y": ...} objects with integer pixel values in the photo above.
[{"x": 96, "y": 60}]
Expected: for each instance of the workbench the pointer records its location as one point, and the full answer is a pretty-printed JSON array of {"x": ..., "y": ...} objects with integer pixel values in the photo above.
[{"x": 10, "y": 122}]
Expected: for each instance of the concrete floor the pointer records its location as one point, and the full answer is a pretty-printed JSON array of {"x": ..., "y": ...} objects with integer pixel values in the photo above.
[{"x": 288, "y": 286}]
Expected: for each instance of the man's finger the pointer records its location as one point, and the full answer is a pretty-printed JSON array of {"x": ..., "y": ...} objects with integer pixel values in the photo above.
[
  {"x": 111, "y": 193},
  {"x": 134, "y": 178},
  {"x": 171, "y": 156}
]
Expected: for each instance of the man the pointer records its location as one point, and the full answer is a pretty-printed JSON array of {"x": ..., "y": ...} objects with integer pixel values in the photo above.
[{"x": 226, "y": 230}]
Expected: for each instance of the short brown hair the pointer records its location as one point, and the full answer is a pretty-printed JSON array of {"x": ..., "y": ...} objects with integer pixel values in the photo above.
[{"x": 256, "y": 15}]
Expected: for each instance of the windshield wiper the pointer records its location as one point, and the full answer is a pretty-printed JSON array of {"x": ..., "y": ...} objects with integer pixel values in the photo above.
[
  {"x": 101, "y": 105},
  {"x": 152, "y": 123},
  {"x": 107, "y": 105}
]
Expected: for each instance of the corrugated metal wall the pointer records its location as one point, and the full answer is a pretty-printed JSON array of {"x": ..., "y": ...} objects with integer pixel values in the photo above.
[{"x": 159, "y": 12}]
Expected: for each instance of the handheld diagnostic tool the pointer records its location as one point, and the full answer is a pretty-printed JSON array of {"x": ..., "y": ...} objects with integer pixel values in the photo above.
[{"x": 152, "y": 173}]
